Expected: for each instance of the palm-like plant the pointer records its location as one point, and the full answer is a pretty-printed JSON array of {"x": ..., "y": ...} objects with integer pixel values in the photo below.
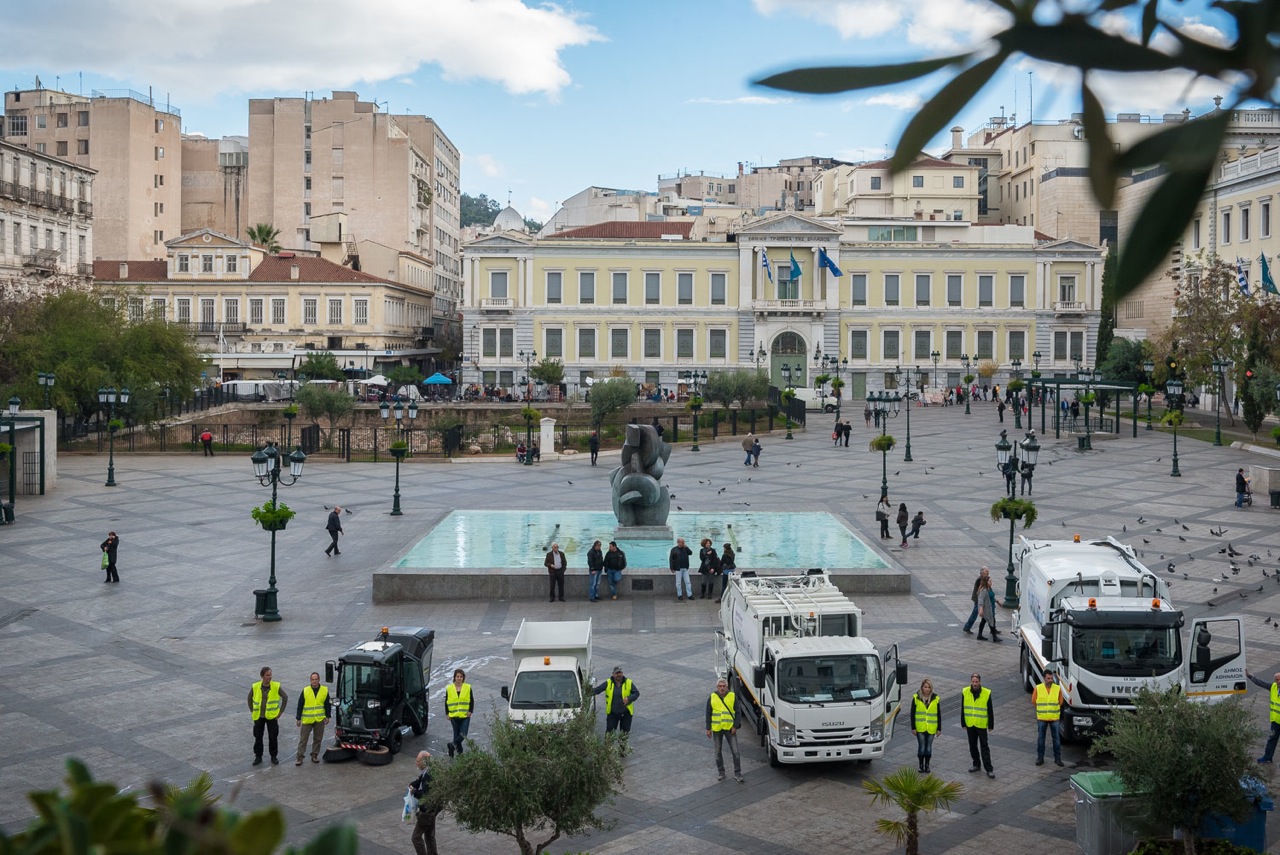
[
  {"x": 266, "y": 236},
  {"x": 913, "y": 792}
]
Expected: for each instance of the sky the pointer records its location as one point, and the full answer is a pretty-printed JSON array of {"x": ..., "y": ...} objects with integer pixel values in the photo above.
[{"x": 544, "y": 100}]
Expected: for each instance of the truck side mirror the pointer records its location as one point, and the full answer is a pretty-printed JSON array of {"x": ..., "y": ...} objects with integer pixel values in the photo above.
[
  {"x": 328, "y": 672},
  {"x": 1046, "y": 647},
  {"x": 902, "y": 673},
  {"x": 757, "y": 676},
  {"x": 506, "y": 693}
]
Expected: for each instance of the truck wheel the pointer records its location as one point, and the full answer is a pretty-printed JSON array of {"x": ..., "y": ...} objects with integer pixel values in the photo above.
[
  {"x": 1069, "y": 734},
  {"x": 394, "y": 739},
  {"x": 418, "y": 729},
  {"x": 773, "y": 757},
  {"x": 338, "y": 754},
  {"x": 1028, "y": 682},
  {"x": 375, "y": 755}
]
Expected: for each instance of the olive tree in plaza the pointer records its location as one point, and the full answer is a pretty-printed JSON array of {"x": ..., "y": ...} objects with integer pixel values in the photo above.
[{"x": 611, "y": 396}]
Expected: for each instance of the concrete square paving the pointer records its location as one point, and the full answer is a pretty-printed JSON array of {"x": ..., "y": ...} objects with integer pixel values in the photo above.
[{"x": 147, "y": 679}]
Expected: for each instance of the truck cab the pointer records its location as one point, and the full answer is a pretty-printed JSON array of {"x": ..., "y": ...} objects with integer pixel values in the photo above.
[{"x": 553, "y": 666}]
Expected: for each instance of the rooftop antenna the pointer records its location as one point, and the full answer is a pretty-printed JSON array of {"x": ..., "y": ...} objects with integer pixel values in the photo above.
[
  {"x": 1031, "y": 96},
  {"x": 508, "y": 197}
]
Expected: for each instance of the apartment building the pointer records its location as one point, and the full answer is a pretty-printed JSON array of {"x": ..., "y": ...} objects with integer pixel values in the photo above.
[
  {"x": 215, "y": 184},
  {"x": 46, "y": 219},
  {"x": 929, "y": 189},
  {"x": 646, "y": 299},
  {"x": 395, "y": 177},
  {"x": 255, "y": 314},
  {"x": 133, "y": 143}
]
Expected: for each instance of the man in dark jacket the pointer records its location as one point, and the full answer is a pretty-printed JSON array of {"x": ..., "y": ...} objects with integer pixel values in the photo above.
[
  {"x": 678, "y": 563},
  {"x": 615, "y": 561},
  {"x": 554, "y": 562},
  {"x": 594, "y": 445},
  {"x": 109, "y": 546},
  {"x": 977, "y": 714},
  {"x": 595, "y": 566},
  {"x": 424, "y": 829},
  {"x": 620, "y": 702},
  {"x": 334, "y": 527},
  {"x": 1242, "y": 487}
]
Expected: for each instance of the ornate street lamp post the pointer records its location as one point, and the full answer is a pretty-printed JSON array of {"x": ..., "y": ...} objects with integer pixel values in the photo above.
[
  {"x": 1173, "y": 392},
  {"x": 109, "y": 398},
  {"x": 46, "y": 380},
  {"x": 528, "y": 359},
  {"x": 883, "y": 403},
  {"x": 1220, "y": 367},
  {"x": 266, "y": 468},
  {"x": 898, "y": 373},
  {"x": 15, "y": 404},
  {"x": 760, "y": 356},
  {"x": 1017, "y": 407},
  {"x": 1088, "y": 376},
  {"x": 1006, "y": 457},
  {"x": 1147, "y": 367},
  {"x": 936, "y": 355},
  {"x": 968, "y": 387}
]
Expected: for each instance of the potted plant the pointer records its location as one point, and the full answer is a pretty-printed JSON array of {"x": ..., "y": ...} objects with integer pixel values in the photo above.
[
  {"x": 115, "y": 425},
  {"x": 1016, "y": 385},
  {"x": 1275, "y": 434},
  {"x": 271, "y": 516},
  {"x": 5, "y": 448},
  {"x": 884, "y": 442},
  {"x": 1013, "y": 510},
  {"x": 399, "y": 449}
]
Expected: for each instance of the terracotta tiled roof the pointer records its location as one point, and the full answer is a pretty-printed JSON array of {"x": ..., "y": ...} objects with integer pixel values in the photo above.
[
  {"x": 628, "y": 230},
  {"x": 277, "y": 268},
  {"x": 925, "y": 162},
  {"x": 139, "y": 271}
]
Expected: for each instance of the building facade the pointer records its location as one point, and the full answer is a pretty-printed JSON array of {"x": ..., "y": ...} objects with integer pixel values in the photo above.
[
  {"x": 653, "y": 305},
  {"x": 215, "y": 184},
  {"x": 46, "y": 219},
  {"x": 132, "y": 141},
  {"x": 255, "y": 314}
]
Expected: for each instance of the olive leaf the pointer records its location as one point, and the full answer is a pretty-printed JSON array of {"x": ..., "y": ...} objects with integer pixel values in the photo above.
[
  {"x": 1102, "y": 165},
  {"x": 1161, "y": 223},
  {"x": 941, "y": 108},
  {"x": 843, "y": 78}
]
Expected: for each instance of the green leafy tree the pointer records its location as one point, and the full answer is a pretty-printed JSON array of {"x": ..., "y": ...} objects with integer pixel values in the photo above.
[
  {"x": 1169, "y": 776},
  {"x": 744, "y": 385},
  {"x": 266, "y": 236},
  {"x": 1107, "y": 321},
  {"x": 321, "y": 401},
  {"x": 403, "y": 375},
  {"x": 89, "y": 341},
  {"x": 1078, "y": 38},
  {"x": 549, "y": 371},
  {"x": 1124, "y": 361},
  {"x": 913, "y": 792},
  {"x": 1258, "y": 398},
  {"x": 478, "y": 210},
  {"x": 611, "y": 396},
  {"x": 1209, "y": 314},
  {"x": 532, "y": 225},
  {"x": 321, "y": 365},
  {"x": 542, "y": 780},
  {"x": 96, "y": 816},
  {"x": 449, "y": 340}
]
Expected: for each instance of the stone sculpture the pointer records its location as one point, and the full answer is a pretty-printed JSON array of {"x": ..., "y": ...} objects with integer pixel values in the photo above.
[{"x": 638, "y": 498}]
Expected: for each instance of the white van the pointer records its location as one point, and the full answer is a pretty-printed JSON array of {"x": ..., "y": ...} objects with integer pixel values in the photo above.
[{"x": 813, "y": 400}]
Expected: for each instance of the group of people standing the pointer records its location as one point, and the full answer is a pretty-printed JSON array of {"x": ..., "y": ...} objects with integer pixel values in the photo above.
[
  {"x": 600, "y": 562},
  {"x": 710, "y": 565},
  {"x": 268, "y": 701},
  {"x": 984, "y": 607},
  {"x": 902, "y": 517}
]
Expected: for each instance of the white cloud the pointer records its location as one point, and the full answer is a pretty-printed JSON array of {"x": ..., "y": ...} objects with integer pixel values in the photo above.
[
  {"x": 749, "y": 100},
  {"x": 207, "y": 48},
  {"x": 539, "y": 209},
  {"x": 488, "y": 165},
  {"x": 933, "y": 24},
  {"x": 896, "y": 100}
]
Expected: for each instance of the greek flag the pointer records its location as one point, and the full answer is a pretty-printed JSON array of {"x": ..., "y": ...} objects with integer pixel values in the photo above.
[
  {"x": 764, "y": 255},
  {"x": 1241, "y": 278},
  {"x": 1268, "y": 284},
  {"x": 824, "y": 260}
]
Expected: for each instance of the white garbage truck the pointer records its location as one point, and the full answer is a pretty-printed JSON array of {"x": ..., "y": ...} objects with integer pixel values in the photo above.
[
  {"x": 815, "y": 690},
  {"x": 553, "y": 659},
  {"x": 1106, "y": 623}
]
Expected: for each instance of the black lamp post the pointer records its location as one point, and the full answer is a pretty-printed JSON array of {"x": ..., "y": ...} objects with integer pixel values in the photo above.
[
  {"x": 1016, "y": 365},
  {"x": 397, "y": 453},
  {"x": 1220, "y": 367},
  {"x": 1148, "y": 366},
  {"x": 528, "y": 359},
  {"x": 694, "y": 380},
  {"x": 968, "y": 387},
  {"x": 289, "y": 416},
  {"x": 898, "y": 373},
  {"x": 1006, "y": 459},
  {"x": 1036, "y": 356},
  {"x": 883, "y": 403},
  {"x": 15, "y": 404},
  {"x": 109, "y": 398},
  {"x": 1173, "y": 392},
  {"x": 936, "y": 355},
  {"x": 761, "y": 354},
  {"x": 46, "y": 380},
  {"x": 266, "y": 468},
  {"x": 839, "y": 366}
]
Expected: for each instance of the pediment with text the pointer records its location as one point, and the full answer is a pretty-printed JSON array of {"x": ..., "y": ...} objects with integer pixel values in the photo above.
[
  {"x": 205, "y": 239},
  {"x": 1068, "y": 245},
  {"x": 505, "y": 240},
  {"x": 788, "y": 225}
]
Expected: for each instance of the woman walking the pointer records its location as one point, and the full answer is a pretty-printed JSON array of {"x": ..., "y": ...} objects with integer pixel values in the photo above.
[
  {"x": 708, "y": 566},
  {"x": 926, "y": 722},
  {"x": 883, "y": 509},
  {"x": 728, "y": 563},
  {"x": 902, "y": 520},
  {"x": 459, "y": 704},
  {"x": 987, "y": 609}
]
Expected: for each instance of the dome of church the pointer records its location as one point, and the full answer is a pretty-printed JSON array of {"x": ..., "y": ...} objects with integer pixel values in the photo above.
[{"x": 509, "y": 220}]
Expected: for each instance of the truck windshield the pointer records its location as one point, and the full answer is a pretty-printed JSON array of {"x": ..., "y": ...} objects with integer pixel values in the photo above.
[
  {"x": 360, "y": 680},
  {"x": 1135, "y": 650},
  {"x": 545, "y": 690},
  {"x": 825, "y": 679}
]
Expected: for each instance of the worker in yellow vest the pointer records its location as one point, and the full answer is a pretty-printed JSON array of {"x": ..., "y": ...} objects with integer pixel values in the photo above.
[
  {"x": 313, "y": 713},
  {"x": 266, "y": 701},
  {"x": 620, "y": 695},
  {"x": 926, "y": 722},
  {"x": 1047, "y": 700},
  {"x": 459, "y": 703},
  {"x": 979, "y": 718},
  {"x": 1274, "y": 687},
  {"x": 723, "y": 719}
]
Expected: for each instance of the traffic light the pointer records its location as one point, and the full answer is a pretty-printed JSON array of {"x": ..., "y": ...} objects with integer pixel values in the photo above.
[
  {"x": 1248, "y": 375},
  {"x": 1172, "y": 364}
]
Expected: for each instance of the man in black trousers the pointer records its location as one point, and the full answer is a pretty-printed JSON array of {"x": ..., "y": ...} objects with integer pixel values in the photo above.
[{"x": 334, "y": 527}]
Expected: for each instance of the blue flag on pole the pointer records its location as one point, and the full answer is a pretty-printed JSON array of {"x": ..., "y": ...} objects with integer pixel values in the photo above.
[
  {"x": 1268, "y": 284},
  {"x": 824, "y": 260},
  {"x": 764, "y": 254},
  {"x": 1241, "y": 278},
  {"x": 795, "y": 268}
]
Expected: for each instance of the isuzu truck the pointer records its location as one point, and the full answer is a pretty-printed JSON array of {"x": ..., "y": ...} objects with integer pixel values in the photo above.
[{"x": 553, "y": 659}]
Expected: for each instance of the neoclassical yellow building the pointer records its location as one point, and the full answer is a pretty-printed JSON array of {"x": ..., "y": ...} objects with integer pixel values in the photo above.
[{"x": 649, "y": 300}]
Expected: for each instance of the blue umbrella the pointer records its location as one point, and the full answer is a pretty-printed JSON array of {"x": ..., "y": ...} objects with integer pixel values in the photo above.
[{"x": 437, "y": 379}]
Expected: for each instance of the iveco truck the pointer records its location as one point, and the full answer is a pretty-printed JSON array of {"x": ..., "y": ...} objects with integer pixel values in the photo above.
[
  {"x": 815, "y": 690},
  {"x": 1106, "y": 622}
]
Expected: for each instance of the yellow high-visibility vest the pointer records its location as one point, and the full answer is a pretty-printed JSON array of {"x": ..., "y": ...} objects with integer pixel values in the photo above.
[
  {"x": 313, "y": 704},
  {"x": 722, "y": 711},
  {"x": 457, "y": 704},
  {"x": 273, "y": 701},
  {"x": 975, "y": 708},
  {"x": 1048, "y": 701},
  {"x": 1275, "y": 703},
  {"x": 926, "y": 714},
  {"x": 626, "y": 692}
]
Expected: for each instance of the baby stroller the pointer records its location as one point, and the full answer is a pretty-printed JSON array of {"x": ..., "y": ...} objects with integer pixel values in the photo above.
[{"x": 1247, "y": 501}]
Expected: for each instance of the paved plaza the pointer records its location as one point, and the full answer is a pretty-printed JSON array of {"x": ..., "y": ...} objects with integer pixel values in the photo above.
[{"x": 147, "y": 679}]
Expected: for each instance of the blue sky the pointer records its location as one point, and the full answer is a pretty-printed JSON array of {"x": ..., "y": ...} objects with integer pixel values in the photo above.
[{"x": 544, "y": 100}]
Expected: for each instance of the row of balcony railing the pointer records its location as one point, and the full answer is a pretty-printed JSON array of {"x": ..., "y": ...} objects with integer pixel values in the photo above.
[
  {"x": 45, "y": 199},
  {"x": 508, "y": 303}
]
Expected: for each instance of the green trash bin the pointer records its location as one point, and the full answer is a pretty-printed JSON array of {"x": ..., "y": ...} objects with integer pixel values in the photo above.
[
  {"x": 1109, "y": 821},
  {"x": 260, "y": 602}
]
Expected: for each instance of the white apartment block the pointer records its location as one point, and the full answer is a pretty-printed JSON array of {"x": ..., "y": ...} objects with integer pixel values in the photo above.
[
  {"x": 131, "y": 140},
  {"x": 46, "y": 219}
]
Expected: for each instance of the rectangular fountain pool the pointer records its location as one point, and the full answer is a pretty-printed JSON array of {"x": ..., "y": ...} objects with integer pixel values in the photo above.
[{"x": 519, "y": 540}]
